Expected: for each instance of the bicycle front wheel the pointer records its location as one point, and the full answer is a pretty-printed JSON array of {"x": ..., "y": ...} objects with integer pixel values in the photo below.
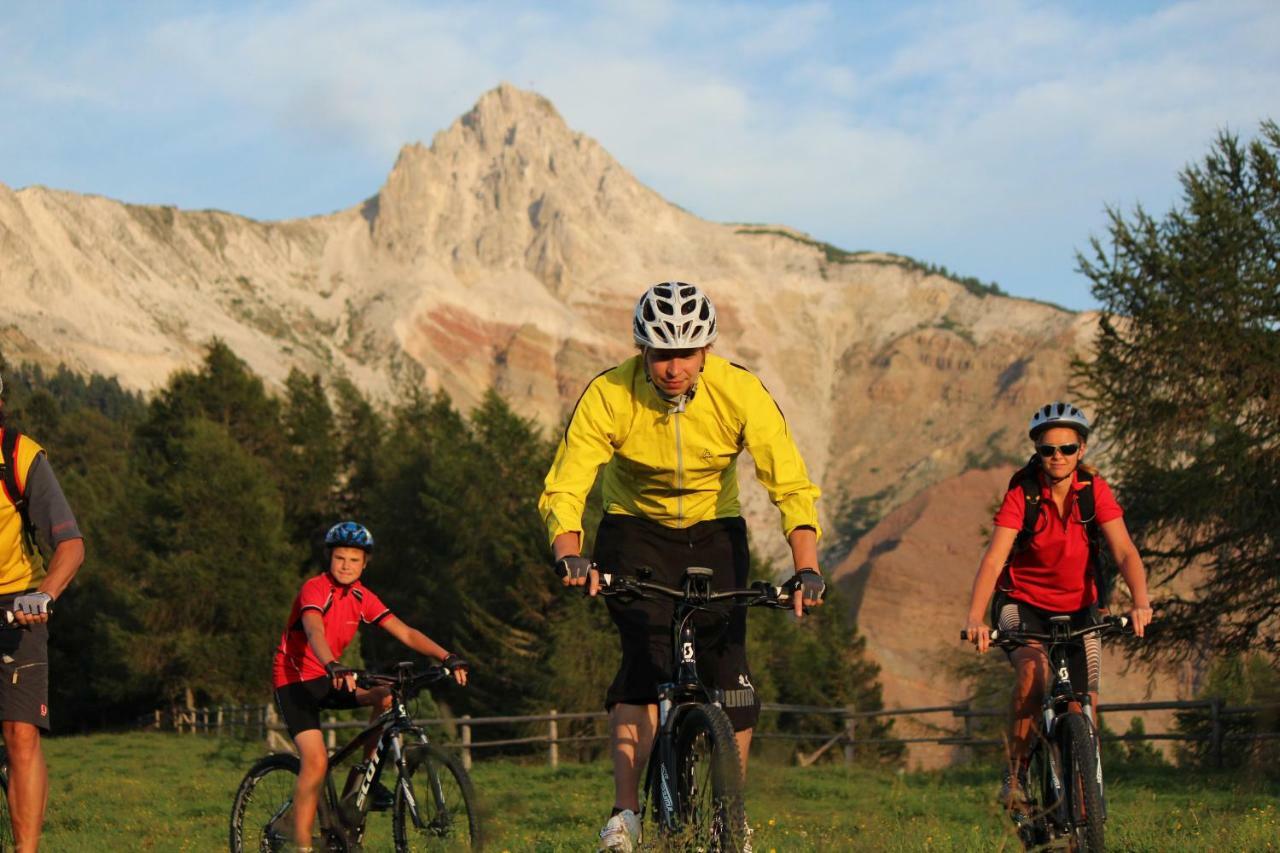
[
  {"x": 709, "y": 782},
  {"x": 435, "y": 804},
  {"x": 262, "y": 814},
  {"x": 1083, "y": 783}
]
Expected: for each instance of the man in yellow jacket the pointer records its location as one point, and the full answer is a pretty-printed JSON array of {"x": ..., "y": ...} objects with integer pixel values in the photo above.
[
  {"x": 668, "y": 426},
  {"x": 30, "y": 500}
]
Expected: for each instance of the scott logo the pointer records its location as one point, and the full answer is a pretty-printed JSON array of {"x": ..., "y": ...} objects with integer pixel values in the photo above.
[{"x": 686, "y": 651}]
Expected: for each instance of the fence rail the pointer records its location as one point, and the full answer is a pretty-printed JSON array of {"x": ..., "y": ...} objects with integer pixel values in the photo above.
[{"x": 260, "y": 721}]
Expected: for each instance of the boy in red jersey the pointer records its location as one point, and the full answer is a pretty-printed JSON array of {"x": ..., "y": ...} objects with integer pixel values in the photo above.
[{"x": 307, "y": 674}]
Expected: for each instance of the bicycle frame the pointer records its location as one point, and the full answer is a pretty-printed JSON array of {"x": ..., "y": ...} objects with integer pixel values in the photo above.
[
  {"x": 686, "y": 688},
  {"x": 1061, "y": 699},
  {"x": 346, "y": 814}
]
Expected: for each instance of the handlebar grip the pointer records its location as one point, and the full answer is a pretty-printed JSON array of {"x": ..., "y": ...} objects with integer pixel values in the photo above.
[{"x": 1124, "y": 621}]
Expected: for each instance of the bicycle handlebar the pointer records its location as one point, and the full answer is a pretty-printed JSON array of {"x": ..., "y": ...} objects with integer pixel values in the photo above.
[
  {"x": 760, "y": 594},
  {"x": 404, "y": 677},
  {"x": 1021, "y": 638}
]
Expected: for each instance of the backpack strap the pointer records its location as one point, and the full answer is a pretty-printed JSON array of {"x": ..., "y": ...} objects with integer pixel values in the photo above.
[
  {"x": 9, "y": 475},
  {"x": 1029, "y": 480},
  {"x": 1103, "y": 577}
]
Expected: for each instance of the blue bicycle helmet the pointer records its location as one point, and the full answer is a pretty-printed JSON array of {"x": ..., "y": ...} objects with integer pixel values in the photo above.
[{"x": 349, "y": 534}]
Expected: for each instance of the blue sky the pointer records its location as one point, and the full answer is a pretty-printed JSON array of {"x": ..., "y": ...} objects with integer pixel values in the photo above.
[{"x": 986, "y": 136}]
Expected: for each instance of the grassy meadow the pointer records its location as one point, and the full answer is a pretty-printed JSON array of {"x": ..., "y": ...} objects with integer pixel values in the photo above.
[{"x": 148, "y": 791}]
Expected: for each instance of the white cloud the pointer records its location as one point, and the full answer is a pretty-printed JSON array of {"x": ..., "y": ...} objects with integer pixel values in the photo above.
[{"x": 944, "y": 129}]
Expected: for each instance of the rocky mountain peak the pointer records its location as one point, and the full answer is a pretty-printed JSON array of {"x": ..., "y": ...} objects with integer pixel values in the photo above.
[{"x": 508, "y": 182}]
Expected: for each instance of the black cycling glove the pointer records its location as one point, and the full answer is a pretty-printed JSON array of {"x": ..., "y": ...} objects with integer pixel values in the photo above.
[
  {"x": 337, "y": 670},
  {"x": 810, "y": 585},
  {"x": 573, "y": 566},
  {"x": 453, "y": 663}
]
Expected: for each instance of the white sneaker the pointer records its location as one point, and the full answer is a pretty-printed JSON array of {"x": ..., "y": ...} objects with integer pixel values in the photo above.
[{"x": 621, "y": 833}]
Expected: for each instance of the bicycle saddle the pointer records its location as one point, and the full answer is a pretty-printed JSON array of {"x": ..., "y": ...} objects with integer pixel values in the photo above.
[{"x": 698, "y": 572}]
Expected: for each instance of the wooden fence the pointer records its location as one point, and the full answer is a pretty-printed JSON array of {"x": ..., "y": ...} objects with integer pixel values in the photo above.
[{"x": 260, "y": 722}]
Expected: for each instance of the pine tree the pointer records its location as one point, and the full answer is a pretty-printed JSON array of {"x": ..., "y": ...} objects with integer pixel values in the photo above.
[{"x": 1186, "y": 381}]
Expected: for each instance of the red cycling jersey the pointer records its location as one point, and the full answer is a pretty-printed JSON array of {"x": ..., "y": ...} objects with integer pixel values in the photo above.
[
  {"x": 343, "y": 608},
  {"x": 1053, "y": 573}
]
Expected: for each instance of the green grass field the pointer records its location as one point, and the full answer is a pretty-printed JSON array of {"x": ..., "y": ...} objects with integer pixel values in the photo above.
[{"x": 173, "y": 792}]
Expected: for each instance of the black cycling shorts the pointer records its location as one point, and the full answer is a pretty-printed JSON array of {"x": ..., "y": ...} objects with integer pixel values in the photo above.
[
  {"x": 1084, "y": 662},
  {"x": 300, "y": 703},
  {"x": 623, "y": 546},
  {"x": 24, "y": 671}
]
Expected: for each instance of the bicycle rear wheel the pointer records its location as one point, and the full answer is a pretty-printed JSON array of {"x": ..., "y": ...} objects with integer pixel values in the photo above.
[
  {"x": 438, "y": 791},
  {"x": 709, "y": 782},
  {"x": 1083, "y": 784},
  {"x": 262, "y": 814}
]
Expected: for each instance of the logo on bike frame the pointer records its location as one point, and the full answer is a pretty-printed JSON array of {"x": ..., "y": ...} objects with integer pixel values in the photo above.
[
  {"x": 686, "y": 651},
  {"x": 665, "y": 791}
]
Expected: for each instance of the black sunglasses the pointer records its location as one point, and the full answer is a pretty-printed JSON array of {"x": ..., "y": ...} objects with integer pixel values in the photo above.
[{"x": 1047, "y": 450}]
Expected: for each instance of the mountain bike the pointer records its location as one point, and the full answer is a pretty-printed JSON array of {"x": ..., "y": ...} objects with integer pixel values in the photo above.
[
  {"x": 1065, "y": 801},
  {"x": 434, "y": 804},
  {"x": 694, "y": 778}
]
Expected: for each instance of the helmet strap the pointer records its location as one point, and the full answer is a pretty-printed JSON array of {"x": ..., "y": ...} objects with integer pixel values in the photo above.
[{"x": 678, "y": 401}]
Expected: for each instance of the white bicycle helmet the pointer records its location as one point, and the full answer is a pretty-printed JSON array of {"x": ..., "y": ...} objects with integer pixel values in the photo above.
[
  {"x": 1058, "y": 414},
  {"x": 674, "y": 315}
]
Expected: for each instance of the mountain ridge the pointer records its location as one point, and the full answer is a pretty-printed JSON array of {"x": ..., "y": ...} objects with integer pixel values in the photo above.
[{"x": 508, "y": 253}]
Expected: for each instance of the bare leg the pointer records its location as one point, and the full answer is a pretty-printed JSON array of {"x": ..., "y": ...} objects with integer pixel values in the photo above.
[
  {"x": 28, "y": 783},
  {"x": 632, "y": 729},
  {"x": 1031, "y": 673},
  {"x": 379, "y": 701},
  {"x": 306, "y": 793},
  {"x": 744, "y": 748}
]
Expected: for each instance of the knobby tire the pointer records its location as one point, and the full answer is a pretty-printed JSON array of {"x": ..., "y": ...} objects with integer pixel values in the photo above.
[
  {"x": 709, "y": 782},
  {"x": 446, "y": 802},
  {"x": 1084, "y": 791}
]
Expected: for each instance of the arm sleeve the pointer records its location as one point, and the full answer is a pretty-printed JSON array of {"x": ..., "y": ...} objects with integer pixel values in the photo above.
[
  {"x": 50, "y": 512},
  {"x": 587, "y": 444},
  {"x": 1012, "y": 509},
  {"x": 1105, "y": 506},
  {"x": 779, "y": 466},
  {"x": 372, "y": 610},
  {"x": 314, "y": 595}
]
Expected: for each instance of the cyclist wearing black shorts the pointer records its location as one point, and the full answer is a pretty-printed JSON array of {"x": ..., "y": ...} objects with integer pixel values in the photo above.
[
  {"x": 668, "y": 426},
  {"x": 31, "y": 502},
  {"x": 307, "y": 674}
]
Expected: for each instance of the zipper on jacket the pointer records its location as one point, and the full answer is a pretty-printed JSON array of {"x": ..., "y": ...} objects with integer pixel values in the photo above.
[{"x": 679, "y": 473}]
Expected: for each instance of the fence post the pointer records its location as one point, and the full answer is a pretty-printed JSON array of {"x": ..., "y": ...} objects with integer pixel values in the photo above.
[
  {"x": 267, "y": 715},
  {"x": 850, "y": 731},
  {"x": 466, "y": 742},
  {"x": 1215, "y": 715},
  {"x": 157, "y": 719},
  {"x": 553, "y": 734},
  {"x": 220, "y": 712}
]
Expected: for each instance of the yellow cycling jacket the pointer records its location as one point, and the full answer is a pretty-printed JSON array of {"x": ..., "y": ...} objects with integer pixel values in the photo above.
[{"x": 675, "y": 468}]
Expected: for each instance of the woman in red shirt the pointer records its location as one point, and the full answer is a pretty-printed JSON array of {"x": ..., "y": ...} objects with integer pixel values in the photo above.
[{"x": 1053, "y": 575}]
